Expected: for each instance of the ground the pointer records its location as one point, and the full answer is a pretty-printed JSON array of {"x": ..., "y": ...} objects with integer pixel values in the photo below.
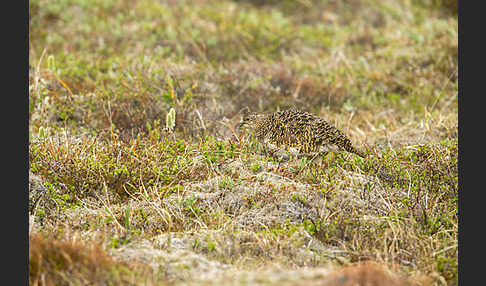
[{"x": 117, "y": 196}]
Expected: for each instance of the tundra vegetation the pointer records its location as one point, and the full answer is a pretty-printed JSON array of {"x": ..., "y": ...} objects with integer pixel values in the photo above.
[{"x": 124, "y": 191}]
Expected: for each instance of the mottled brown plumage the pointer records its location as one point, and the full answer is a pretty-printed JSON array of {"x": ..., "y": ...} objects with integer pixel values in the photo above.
[{"x": 298, "y": 130}]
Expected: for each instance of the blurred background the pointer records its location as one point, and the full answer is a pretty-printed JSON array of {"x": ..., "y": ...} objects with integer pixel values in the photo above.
[{"x": 366, "y": 66}]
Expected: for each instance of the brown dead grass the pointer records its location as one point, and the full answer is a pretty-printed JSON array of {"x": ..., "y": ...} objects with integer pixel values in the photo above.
[{"x": 55, "y": 262}]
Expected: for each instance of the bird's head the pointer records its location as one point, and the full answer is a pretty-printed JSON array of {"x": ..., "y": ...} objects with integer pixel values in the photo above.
[{"x": 249, "y": 119}]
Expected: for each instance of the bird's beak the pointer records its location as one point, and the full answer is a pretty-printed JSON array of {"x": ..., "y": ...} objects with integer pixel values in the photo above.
[{"x": 240, "y": 124}]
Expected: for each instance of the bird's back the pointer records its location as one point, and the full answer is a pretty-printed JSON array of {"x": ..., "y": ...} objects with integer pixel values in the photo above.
[{"x": 295, "y": 128}]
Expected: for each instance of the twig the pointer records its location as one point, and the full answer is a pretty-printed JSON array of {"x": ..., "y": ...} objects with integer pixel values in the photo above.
[
  {"x": 442, "y": 89},
  {"x": 202, "y": 121}
]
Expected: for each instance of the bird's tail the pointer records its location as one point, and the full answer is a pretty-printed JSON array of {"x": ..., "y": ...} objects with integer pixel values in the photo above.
[
  {"x": 350, "y": 148},
  {"x": 360, "y": 153}
]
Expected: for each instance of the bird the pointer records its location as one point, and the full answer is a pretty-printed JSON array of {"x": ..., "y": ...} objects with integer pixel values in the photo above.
[{"x": 297, "y": 131}]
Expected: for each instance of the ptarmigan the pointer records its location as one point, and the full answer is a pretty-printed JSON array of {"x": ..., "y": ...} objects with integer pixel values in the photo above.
[{"x": 298, "y": 132}]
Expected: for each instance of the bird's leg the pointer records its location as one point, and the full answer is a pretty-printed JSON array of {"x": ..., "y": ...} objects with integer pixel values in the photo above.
[{"x": 281, "y": 152}]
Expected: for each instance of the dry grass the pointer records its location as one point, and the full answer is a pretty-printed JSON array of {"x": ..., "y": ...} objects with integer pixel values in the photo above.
[
  {"x": 54, "y": 262},
  {"x": 116, "y": 199},
  {"x": 71, "y": 262}
]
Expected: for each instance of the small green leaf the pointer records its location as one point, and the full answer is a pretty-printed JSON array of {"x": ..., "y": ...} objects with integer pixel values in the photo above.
[
  {"x": 170, "y": 119},
  {"x": 51, "y": 63}
]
